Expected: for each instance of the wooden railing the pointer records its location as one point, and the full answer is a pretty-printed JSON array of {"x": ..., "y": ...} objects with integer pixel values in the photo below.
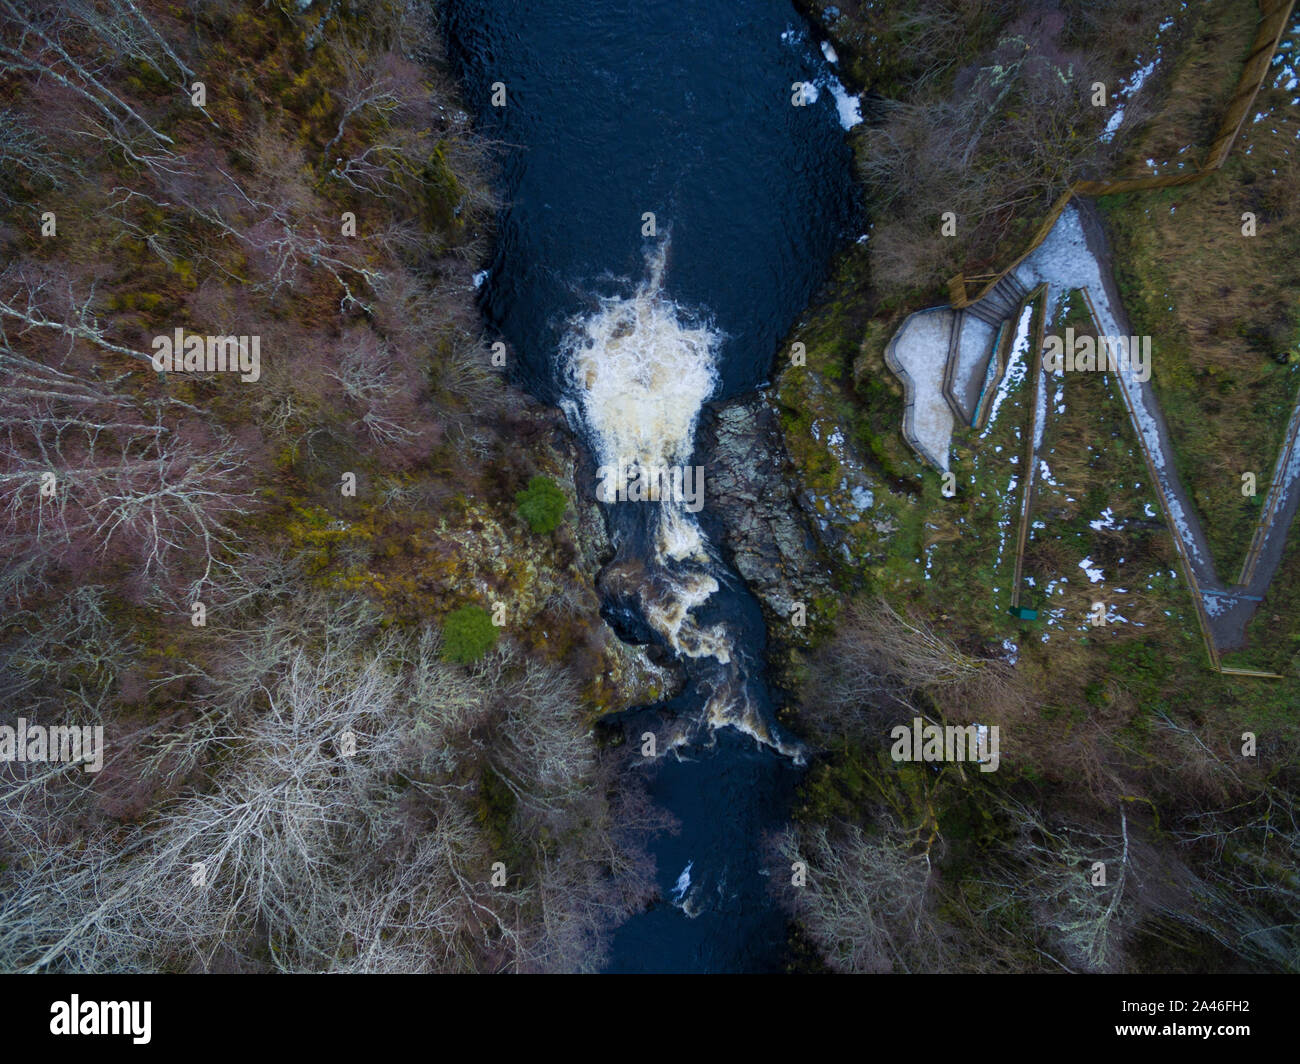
[{"x": 1273, "y": 18}]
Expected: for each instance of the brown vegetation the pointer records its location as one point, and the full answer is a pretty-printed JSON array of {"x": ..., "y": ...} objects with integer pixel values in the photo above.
[
  {"x": 993, "y": 140},
  {"x": 941, "y": 867},
  {"x": 299, "y": 783}
]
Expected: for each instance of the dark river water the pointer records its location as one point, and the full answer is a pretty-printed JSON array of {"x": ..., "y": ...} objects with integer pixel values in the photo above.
[{"x": 682, "y": 109}]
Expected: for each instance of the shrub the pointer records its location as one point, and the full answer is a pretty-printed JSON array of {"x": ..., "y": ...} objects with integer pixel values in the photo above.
[
  {"x": 467, "y": 634},
  {"x": 542, "y": 504}
]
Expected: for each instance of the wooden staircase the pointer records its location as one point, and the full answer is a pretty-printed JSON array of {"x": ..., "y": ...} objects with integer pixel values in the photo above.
[{"x": 996, "y": 312}]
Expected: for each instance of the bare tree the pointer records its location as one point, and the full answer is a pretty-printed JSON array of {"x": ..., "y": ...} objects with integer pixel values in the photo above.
[
  {"x": 33, "y": 43},
  {"x": 337, "y": 823},
  {"x": 866, "y": 902},
  {"x": 25, "y": 149},
  {"x": 380, "y": 94},
  {"x": 1075, "y": 880},
  {"x": 85, "y": 466},
  {"x": 127, "y": 31}
]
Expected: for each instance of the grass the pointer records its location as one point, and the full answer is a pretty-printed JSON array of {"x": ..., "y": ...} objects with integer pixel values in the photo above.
[
  {"x": 1221, "y": 313},
  {"x": 1188, "y": 96},
  {"x": 1273, "y": 634},
  {"x": 953, "y": 561},
  {"x": 1220, "y": 306},
  {"x": 1094, "y": 501},
  {"x": 961, "y": 564},
  {"x": 1132, "y": 708},
  {"x": 840, "y": 414}
]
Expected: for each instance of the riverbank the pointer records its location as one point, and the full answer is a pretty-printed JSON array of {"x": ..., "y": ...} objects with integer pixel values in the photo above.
[
  {"x": 342, "y": 680},
  {"x": 1094, "y": 720}
]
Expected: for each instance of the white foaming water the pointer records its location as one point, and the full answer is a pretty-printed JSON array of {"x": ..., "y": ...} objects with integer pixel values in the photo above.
[
  {"x": 668, "y": 614},
  {"x": 725, "y": 707},
  {"x": 638, "y": 371},
  {"x": 638, "y": 376},
  {"x": 683, "y": 883},
  {"x": 679, "y": 537},
  {"x": 683, "y": 896},
  {"x": 641, "y": 375}
]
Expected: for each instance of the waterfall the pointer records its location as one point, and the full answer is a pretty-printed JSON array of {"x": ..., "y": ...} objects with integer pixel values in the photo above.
[{"x": 636, "y": 374}]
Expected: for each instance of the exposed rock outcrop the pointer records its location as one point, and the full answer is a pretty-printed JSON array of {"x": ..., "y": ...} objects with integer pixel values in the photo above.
[{"x": 751, "y": 489}]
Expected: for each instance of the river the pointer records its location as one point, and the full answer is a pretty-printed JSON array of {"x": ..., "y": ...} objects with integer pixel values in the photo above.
[{"x": 609, "y": 113}]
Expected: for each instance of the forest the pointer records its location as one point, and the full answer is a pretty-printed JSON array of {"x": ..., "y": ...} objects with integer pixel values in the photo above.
[
  {"x": 281, "y": 525},
  {"x": 272, "y": 590}
]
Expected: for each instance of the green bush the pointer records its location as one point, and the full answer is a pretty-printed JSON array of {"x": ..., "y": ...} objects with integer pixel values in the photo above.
[
  {"x": 542, "y": 504},
  {"x": 467, "y": 634}
]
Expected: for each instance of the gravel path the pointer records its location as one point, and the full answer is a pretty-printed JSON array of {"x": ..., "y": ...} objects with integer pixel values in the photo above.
[{"x": 1075, "y": 255}]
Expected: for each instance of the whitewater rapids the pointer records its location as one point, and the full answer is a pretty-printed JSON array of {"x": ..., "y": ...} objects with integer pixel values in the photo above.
[{"x": 636, "y": 374}]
